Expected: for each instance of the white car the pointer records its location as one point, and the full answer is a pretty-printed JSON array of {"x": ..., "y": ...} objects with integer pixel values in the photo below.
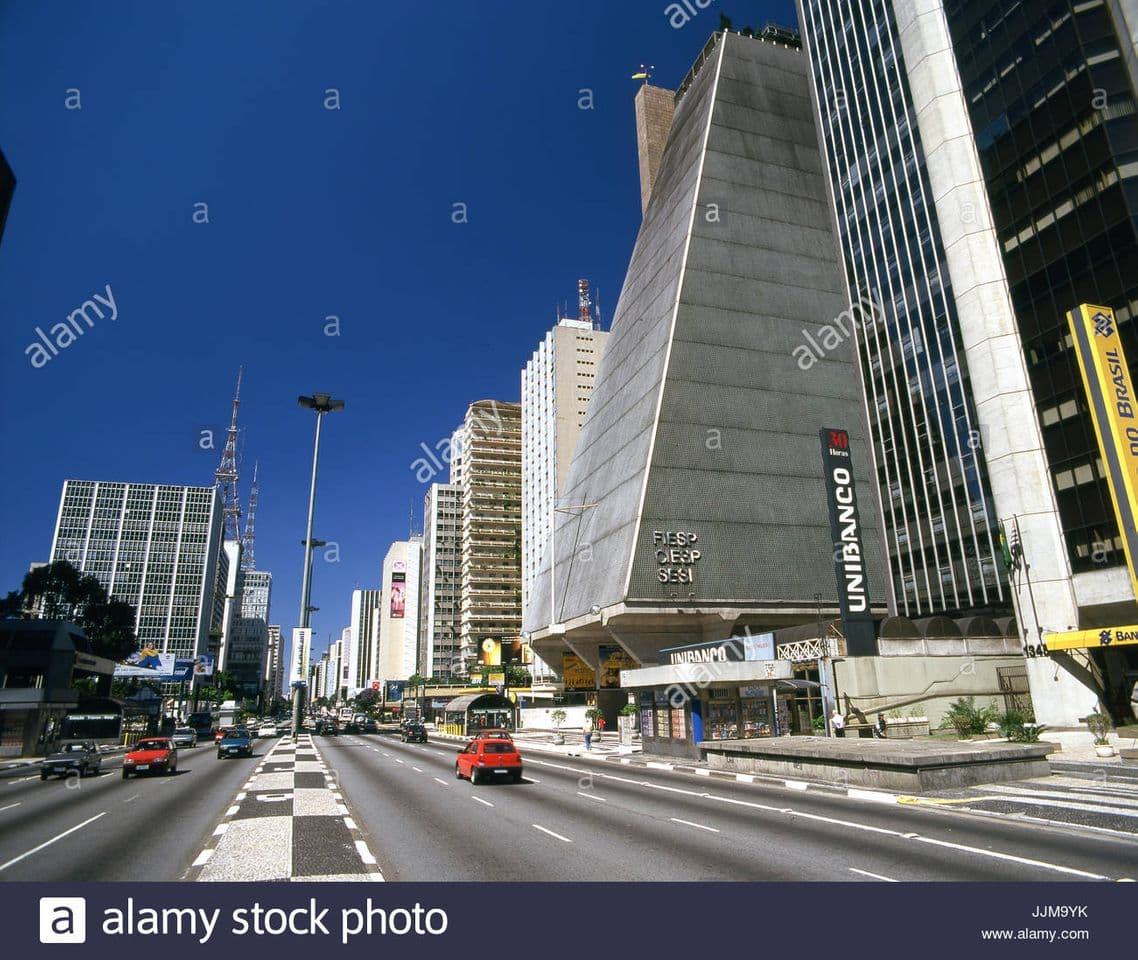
[{"x": 267, "y": 730}]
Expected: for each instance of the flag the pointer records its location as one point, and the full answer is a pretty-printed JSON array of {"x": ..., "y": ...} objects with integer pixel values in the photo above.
[{"x": 640, "y": 76}]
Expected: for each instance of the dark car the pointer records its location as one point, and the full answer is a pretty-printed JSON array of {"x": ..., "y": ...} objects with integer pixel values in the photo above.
[
  {"x": 327, "y": 728},
  {"x": 413, "y": 733},
  {"x": 151, "y": 755},
  {"x": 74, "y": 756},
  {"x": 489, "y": 760},
  {"x": 237, "y": 743},
  {"x": 370, "y": 726}
]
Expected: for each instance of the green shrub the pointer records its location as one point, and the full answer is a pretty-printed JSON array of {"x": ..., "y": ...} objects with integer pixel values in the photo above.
[
  {"x": 1098, "y": 724},
  {"x": 629, "y": 710},
  {"x": 968, "y": 719}
]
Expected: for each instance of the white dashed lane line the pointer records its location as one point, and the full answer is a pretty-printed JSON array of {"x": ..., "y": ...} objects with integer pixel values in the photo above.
[
  {"x": 875, "y": 876},
  {"x": 538, "y": 826},
  {"x": 688, "y": 823},
  {"x": 485, "y": 803},
  {"x": 48, "y": 843},
  {"x": 591, "y": 796}
]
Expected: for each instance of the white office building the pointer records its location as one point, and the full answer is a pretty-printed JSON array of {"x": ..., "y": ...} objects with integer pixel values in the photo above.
[
  {"x": 153, "y": 546},
  {"x": 556, "y": 385},
  {"x": 399, "y": 611},
  {"x": 440, "y": 593},
  {"x": 363, "y": 643}
]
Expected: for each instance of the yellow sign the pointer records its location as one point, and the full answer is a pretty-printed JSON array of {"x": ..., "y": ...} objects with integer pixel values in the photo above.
[
  {"x": 577, "y": 674},
  {"x": 1114, "y": 411},
  {"x": 1080, "y": 639}
]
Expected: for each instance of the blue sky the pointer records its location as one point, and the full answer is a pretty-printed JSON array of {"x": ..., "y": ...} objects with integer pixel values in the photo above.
[{"x": 311, "y": 213}]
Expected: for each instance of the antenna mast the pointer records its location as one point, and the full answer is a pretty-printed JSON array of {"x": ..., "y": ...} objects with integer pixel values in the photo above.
[
  {"x": 226, "y": 475},
  {"x": 248, "y": 561}
]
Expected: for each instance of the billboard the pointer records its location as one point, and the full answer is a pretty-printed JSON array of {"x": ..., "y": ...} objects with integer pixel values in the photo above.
[
  {"x": 577, "y": 674},
  {"x": 398, "y": 599},
  {"x": 1114, "y": 412},
  {"x": 301, "y": 654},
  {"x": 203, "y": 665},
  {"x": 149, "y": 664},
  {"x": 613, "y": 660},
  {"x": 849, "y": 555},
  {"x": 395, "y": 690}
]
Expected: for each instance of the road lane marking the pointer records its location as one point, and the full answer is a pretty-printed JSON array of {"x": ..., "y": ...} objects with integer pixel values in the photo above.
[
  {"x": 688, "y": 823},
  {"x": 365, "y": 853},
  {"x": 48, "y": 843},
  {"x": 397, "y": 760},
  {"x": 22, "y": 779},
  {"x": 1014, "y": 859},
  {"x": 437, "y": 780},
  {"x": 532, "y": 780},
  {"x": 538, "y": 826},
  {"x": 485, "y": 803},
  {"x": 203, "y": 858},
  {"x": 135, "y": 797},
  {"x": 876, "y": 876},
  {"x": 11, "y": 805},
  {"x": 591, "y": 796},
  {"x": 416, "y": 769}
]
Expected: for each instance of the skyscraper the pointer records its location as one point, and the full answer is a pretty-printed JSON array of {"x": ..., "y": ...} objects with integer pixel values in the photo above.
[
  {"x": 440, "y": 593},
  {"x": 249, "y": 640},
  {"x": 363, "y": 649},
  {"x": 980, "y": 161},
  {"x": 695, "y": 501},
  {"x": 490, "y": 480},
  {"x": 556, "y": 385},
  {"x": 274, "y": 662},
  {"x": 399, "y": 612},
  {"x": 152, "y": 546}
]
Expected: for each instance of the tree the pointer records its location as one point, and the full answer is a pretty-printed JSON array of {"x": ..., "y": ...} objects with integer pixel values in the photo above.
[
  {"x": 367, "y": 700},
  {"x": 63, "y": 593}
]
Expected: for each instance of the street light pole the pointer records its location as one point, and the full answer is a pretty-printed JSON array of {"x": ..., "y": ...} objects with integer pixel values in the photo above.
[{"x": 322, "y": 403}]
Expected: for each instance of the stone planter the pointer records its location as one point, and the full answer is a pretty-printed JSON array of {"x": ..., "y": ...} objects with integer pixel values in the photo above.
[
  {"x": 1104, "y": 750},
  {"x": 558, "y": 738},
  {"x": 905, "y": 728}
]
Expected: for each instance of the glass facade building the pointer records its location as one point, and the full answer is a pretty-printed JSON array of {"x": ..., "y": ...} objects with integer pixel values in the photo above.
[
  {"x": 1051, "y": 99},
  {"x": 154, "y": 547},
  {"x": 935, "y": 495}
]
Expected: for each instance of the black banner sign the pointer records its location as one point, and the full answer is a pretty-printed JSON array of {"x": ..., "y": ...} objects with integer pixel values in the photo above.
[{"x": 849, "y": 555}]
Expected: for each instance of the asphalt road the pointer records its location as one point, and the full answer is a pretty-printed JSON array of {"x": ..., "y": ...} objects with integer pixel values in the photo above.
[
  {"x": 107, "y": 828},
  {"x": 588, "y": 820}
]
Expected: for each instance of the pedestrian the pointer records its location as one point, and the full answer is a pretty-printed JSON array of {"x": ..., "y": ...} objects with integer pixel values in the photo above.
[
  {"x": 600, "y": 729},
  {"x": 838, "y": 723},
  {"x": 587, "y": 729},
  {"x": 879, "y": 729}
]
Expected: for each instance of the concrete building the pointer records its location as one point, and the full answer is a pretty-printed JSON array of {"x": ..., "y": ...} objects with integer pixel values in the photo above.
[
  {"x": 399, "y": 613},
  {"x": 153, "y": 546},
  {"x": 440, "y": 594},
  {"x": 556, "y": 385},
  {"x": 248, "y": 645},
  {"x": 980, "y": 193},
  {"x": 491, "y": 484},
  {"x": 697, "y": 504},
  {"x": 363, "y": 646},
  {"x": 274, "y": 662}
]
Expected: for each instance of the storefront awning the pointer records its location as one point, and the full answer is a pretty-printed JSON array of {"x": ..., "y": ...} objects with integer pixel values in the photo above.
[{"x": 1082, "y": 639}]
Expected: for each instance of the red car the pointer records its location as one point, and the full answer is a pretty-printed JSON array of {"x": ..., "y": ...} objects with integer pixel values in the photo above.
[
  {"x": 489, "y": 759},
  {"x": 151, "y": 755}
]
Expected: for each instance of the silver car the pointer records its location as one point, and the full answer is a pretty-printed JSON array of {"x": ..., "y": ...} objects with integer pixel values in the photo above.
[{"x": 184, "y": 737}]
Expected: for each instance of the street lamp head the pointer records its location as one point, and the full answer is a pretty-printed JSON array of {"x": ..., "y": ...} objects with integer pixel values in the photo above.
[{"x": 321, "y": 403}]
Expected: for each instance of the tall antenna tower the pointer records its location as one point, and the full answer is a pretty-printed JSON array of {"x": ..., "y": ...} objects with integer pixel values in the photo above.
[
  {"x": 226, "y": 474},
  {"x": 248, "y": 561},
  {"x": 584, "y": 304}
]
